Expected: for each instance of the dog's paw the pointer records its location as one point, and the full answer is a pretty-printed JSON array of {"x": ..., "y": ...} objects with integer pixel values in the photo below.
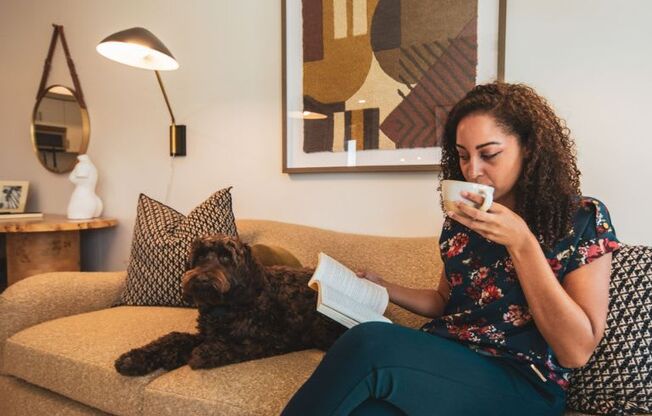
[{"x": 135, "y": 363}]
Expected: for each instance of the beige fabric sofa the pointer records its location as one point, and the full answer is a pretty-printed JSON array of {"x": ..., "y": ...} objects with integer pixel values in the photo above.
[{"x": 59, "y": 336}]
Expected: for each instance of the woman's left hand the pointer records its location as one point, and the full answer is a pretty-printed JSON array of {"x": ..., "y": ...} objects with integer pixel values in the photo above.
[{"x": 498, "y": 224}]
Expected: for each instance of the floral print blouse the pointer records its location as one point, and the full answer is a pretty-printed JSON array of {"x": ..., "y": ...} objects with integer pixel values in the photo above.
[{"x": 487, "y": 310}]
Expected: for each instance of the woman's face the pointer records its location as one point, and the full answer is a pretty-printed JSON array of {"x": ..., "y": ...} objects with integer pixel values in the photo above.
[{"x": 489, "y": 156}]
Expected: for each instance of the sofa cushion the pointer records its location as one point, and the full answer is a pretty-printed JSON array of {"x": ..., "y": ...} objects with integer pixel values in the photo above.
[
  {"x": 618, "y": 378},
  {"x": 260, "y": 387},
  {"x": 274, "y": 256},
  {"x": 74, "y": 356},
  {"x": 161, "y": 242}
]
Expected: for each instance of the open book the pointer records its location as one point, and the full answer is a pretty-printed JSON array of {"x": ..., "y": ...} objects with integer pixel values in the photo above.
[{"x": 346, "y": 298}]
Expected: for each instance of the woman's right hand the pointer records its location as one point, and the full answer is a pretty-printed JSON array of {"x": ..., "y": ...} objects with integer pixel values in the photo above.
[{"x": 373, "y": 277}]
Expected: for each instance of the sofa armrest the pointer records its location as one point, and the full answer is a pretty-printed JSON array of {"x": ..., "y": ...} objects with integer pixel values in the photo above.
[{"x": 48, "y": 296}]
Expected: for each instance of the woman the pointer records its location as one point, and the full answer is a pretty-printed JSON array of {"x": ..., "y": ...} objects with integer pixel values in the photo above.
[{"x": 524, "y": 293}]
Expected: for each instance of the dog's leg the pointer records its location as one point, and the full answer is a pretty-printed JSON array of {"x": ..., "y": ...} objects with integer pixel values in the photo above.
[
  {"x": 217, "y": 353},
  {"x": 325, "y": 332},
  {"x": 168, "y": 352}
]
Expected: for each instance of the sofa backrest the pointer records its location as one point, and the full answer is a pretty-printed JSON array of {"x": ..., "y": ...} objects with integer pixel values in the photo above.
[{"x": 411, "y": 261}]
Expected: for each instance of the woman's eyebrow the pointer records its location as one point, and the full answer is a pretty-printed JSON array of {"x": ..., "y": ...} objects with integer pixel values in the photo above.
[{"x": 480, "y": 146}]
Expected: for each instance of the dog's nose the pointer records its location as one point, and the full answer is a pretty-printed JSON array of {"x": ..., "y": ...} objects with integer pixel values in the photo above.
[{"x": 202, "y": 281}]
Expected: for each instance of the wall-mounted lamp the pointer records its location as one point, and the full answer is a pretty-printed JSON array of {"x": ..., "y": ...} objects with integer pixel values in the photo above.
[{"x": 140, "y": 48}]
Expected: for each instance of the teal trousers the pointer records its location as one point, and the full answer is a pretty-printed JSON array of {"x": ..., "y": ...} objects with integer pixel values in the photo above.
[{"x": 383, "y": 369}]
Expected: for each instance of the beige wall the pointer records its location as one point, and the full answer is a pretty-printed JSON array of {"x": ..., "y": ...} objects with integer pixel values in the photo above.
[{"x": 588, "y": 57}]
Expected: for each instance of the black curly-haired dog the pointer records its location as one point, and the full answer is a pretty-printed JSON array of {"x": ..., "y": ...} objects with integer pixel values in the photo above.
[{"x": 246, "y": 311}]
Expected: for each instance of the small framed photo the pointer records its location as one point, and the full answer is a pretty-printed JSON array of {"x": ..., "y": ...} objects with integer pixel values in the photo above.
[
  {"x": 368, "y": 84},
  {"x": 13, "y": 196}
]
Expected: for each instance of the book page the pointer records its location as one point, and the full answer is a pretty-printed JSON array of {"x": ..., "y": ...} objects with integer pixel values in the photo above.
[
  {"x": 348, "y": 307},
  {"x": 335, "y": 275},
  {"x": 337, "y": 316}
]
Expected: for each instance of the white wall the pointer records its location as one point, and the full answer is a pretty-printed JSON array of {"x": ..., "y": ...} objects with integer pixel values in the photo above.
[
  {"x": 593, "y": 61},
  {"x": 589, "y": 57}
]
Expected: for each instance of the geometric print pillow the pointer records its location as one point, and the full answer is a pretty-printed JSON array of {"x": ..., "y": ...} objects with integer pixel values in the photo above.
[
  {"x": 161, "y": 243},
  {"x": 618, "y": 378}
]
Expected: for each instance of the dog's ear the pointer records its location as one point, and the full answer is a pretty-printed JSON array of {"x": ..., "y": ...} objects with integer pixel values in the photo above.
[
  {"x": 247, "y": 253},
  {"x": 187, "y": 297},
  {"x": 246, "y": 250},
  {"x": 196, "y": 243},
  {"x": 194, "y": 246}
]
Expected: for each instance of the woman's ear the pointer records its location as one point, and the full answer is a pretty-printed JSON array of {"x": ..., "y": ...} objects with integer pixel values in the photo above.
[
  {"x": 525, "y": 150},
  {"x": 528, "y": 145}
]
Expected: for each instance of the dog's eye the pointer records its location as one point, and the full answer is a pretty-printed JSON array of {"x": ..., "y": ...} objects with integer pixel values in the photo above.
[{"x": 202, "y": 256}]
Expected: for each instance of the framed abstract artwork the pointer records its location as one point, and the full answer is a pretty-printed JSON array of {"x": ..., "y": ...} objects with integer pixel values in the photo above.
[{"x": 367, "y": 84}]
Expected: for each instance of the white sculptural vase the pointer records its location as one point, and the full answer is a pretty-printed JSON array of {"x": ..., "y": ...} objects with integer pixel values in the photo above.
[{"x": 84, "y": 203}]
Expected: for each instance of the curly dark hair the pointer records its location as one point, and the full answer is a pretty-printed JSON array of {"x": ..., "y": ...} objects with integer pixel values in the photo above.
[{"x": 548, "y": 188}]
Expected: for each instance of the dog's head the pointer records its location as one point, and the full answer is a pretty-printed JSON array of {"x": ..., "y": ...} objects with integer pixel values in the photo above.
[{"x": 222, "y": 270}]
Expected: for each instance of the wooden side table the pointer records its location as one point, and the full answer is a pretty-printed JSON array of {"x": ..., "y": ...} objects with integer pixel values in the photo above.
[{"x": 45, "y": 244}]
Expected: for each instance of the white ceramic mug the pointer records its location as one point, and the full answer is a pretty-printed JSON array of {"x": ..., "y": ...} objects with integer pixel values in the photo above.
[{"x": 452, "y": 193}]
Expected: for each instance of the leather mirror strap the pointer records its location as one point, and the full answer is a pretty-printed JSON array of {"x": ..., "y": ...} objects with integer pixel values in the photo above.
[
  {"x": 73, "y": 71},
  {"x": 48, "y": 63},
  {"x": 58, "y": 30}
]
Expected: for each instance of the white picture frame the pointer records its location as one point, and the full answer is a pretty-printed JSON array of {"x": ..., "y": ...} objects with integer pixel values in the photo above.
[{"x": 13, "y": 196}]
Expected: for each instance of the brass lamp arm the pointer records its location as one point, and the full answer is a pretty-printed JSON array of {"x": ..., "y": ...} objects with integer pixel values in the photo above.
[
  {"x": 177, "y": 133},
  {"x": 165, "y": 96}
]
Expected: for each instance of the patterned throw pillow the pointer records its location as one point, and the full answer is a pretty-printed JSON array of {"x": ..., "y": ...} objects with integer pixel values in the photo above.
[
  {"x": 161, "y": 241},
  {"x": 618, "y": 378}
]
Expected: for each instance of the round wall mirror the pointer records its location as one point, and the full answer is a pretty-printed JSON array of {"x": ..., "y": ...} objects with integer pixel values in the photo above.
[{"x": 60, "y": 129}]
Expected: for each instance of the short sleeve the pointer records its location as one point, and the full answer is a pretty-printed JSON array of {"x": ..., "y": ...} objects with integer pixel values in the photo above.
[
  {"x": 444, "y": 237},
  {"x": 594, "y": 232}
]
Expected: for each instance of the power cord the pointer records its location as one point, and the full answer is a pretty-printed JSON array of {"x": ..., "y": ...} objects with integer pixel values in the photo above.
[{"x": 170, "y": 181}]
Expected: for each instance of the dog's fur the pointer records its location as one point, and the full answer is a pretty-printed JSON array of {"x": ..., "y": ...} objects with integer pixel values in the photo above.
[{"x": 246, "y": 311}]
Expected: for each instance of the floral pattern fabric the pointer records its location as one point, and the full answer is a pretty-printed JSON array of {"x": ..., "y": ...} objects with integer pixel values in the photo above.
[{"x": 487, "y": 310}]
